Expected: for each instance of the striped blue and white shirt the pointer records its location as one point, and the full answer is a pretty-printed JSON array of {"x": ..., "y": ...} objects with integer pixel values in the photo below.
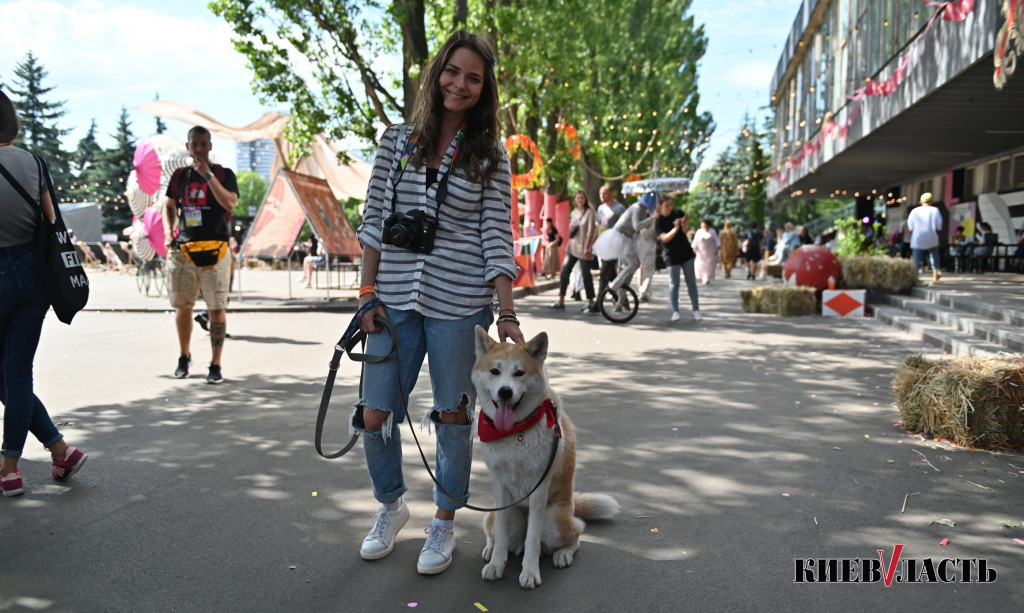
[{"x": 473, "y": 243}]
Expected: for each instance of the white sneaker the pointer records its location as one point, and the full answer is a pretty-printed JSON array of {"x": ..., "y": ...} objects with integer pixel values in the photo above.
[
  {"x": 696, "y": 316},
  {"x": 436, "y": 555},
  {"x": 381, "y": 539},
  {"x": 675, "y": 316}
]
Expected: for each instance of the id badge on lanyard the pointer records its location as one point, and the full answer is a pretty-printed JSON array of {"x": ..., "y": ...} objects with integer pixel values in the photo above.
[
  {"x": 193, "y": 216},
  {"x": 195, "y": 193}
]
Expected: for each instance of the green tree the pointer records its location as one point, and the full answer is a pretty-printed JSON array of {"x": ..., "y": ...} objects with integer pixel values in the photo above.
[
  {"x": 161, "y": 127},
  {"x": 105, "y": 183},
  {"x": 320, "y": 58},
  {"x": 251, "y": 190},
  {"x": 40, "y": 133},
  {"x": 627, "y": 82},
  {"x": 84, "y": 158}
]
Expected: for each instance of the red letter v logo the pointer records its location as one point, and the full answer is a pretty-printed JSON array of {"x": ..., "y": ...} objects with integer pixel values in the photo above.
[{"x": 888, "y": 572}]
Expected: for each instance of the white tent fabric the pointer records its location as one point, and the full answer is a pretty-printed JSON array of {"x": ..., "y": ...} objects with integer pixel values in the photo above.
[{"x": 346, "y": 181}]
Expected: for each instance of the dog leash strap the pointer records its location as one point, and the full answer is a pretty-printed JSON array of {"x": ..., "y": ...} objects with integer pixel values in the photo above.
[{"x": 352, "y": 336}]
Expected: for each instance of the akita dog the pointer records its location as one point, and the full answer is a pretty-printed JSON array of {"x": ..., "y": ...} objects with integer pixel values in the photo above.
[{"x": 521, "y": 418}]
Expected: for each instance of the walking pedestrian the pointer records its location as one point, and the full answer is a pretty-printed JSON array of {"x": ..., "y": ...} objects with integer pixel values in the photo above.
[
  {"x": 23, "y": 306},
  {"x": 582, "y": 234},
  {"x": 670, "y": 228},
  {"x": 705, "y": 245}
]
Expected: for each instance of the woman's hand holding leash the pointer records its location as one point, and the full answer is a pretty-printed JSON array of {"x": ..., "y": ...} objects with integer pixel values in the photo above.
[{"x": 366, "y": 322}]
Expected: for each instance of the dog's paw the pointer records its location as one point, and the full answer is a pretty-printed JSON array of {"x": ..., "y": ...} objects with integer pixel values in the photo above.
[
  {"x": 529, "y": 578},
  {"x": 487, "y": 552},
  {"x": 492, "y": 571},
  {"x": 563, "y": 557}
]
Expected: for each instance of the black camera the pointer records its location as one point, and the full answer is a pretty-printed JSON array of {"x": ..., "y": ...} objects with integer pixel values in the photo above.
[{"x": 413, "y": 231}]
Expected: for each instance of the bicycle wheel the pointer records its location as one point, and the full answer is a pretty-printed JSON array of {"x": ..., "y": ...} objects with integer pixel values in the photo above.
[
  {"x": 159, "y": 277},
  {"x": 143, "y": 278},
  {"x": 618, "y": 306}
]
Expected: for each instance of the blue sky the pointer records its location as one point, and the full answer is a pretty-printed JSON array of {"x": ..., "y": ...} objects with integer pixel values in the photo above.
[{"x": 102, "y": 54}]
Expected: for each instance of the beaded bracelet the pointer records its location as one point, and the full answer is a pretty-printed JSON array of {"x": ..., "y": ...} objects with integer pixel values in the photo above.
[
  {"x": 366, "y": 289},
  {"x": 508, "y": 318}
]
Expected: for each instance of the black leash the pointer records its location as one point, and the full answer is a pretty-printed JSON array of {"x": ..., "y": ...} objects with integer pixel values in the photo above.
[{"x": 353, "y": 336}]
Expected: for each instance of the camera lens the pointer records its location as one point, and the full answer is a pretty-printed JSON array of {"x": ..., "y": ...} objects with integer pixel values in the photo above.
[{"x": 399, "y": 235}]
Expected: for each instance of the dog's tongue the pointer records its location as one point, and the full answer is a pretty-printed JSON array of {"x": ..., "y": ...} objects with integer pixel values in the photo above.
[{"x": 504, "y": 418}]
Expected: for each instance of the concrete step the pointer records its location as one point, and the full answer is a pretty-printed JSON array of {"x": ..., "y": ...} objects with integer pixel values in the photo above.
[
  {"x": 944, "y": 337},
  {"x": 1010, "y": 313},
  {"x": 994, "y": 330}
]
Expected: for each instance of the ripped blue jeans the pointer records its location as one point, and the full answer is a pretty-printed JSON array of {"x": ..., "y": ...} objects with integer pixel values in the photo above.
[{"x": 448, "y": 345}]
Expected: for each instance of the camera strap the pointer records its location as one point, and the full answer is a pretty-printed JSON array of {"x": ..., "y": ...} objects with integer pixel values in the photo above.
[{"x": 442, "y": 182}]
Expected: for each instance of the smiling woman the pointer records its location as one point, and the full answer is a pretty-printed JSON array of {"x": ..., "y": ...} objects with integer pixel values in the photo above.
[{"x": 437, "y": 248}]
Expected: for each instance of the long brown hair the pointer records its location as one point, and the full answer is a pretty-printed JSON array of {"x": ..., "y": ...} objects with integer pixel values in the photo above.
[
  {"x": 482, "y": 127},
  {"x": 10, "y": 125}
]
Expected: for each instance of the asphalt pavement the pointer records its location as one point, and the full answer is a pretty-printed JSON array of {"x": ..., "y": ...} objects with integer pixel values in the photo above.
[{"x": 741, "y": 448}]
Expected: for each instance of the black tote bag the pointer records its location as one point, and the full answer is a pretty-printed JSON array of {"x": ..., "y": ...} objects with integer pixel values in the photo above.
[{"x": 63, "y": 278}]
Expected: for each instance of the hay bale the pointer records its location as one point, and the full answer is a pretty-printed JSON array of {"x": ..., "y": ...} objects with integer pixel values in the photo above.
[
  {"x": 791, "y": 300},
  {"x": 877, "y": 272},
  {"x": 974, "y": 401}
]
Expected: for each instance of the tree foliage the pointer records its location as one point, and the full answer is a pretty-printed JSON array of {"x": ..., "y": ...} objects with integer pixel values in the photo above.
[
  {"x": 734, "y": 187},
  {"x": 40, "y": 133},
  {"x": 251, "y": 190},
  {"x": 627, "y": 82}
]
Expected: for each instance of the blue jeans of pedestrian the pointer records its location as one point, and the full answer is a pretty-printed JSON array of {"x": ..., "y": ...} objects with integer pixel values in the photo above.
[
  {"x": 449, "y": 346},
  {"x": 933, "y": 256},
  {"x": 22, "y": 308},
  {"x": 691, "y": 284}
]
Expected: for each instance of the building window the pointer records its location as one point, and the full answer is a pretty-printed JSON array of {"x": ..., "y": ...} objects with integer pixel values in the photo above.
[
  {"x": 1005, "y": 175},
  {"x": 991, "y": 177},
  {"x": 1018, "y": 172}
]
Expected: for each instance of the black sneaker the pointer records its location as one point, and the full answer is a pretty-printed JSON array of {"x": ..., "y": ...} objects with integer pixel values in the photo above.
[
  {"x": 214, "y": 375},
  {"x": 182, "y": 370},
  {"x": 558, "y": 306},
  {"x": 203, "y": 319},
  {"x": 590, "y": 309}
]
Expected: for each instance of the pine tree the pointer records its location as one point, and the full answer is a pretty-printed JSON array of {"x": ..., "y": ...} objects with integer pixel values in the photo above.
[
  {"x": 113, "y": 167},
  {"x": 161, "y": 127},
  {"x": 84, "y": 158},
  {"x": 40, "y": 133}
]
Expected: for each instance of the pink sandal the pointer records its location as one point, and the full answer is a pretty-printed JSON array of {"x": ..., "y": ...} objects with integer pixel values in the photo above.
[
  {"x": 73, "y": 460},
  {"x": 12, "y": 484}
]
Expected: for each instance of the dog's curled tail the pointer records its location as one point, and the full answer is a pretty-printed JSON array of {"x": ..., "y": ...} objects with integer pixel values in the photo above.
[{"x": 595, "y": 506}]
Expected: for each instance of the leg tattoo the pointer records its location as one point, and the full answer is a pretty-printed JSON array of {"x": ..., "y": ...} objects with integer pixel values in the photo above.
[{"x": 218, "y": 330}]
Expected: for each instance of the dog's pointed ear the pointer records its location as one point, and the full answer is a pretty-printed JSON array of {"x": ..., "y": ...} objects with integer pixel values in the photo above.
[
  {"x": 538, "y": 347},
  {"x": 483, "y": 342}
]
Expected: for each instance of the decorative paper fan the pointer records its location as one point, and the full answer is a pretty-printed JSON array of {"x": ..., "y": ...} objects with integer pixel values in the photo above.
[
  {"x": 147, "y": 167},
  {"x": 153, "y": 224},
  {"x": 143, "y": 250},
  {"x": 138, "y": 200}
]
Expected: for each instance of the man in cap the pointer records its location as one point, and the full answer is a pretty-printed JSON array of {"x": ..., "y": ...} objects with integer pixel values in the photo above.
[{"x": 925, "y": 224}]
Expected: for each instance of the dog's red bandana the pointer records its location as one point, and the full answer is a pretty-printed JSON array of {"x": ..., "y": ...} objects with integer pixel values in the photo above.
[{"x": 489, "y": 432}]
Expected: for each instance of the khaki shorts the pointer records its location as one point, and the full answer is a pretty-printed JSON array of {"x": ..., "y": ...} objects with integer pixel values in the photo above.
[{"x": 184, "y": 279}]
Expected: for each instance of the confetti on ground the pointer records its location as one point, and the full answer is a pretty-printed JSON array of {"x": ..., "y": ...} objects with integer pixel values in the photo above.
[
  {"x": 292, "y": 567},
  {"x": 1019, "y": 541},
  {"x": 675, "y": 428},
  {"x": 1008, "y": 524},
  {"x": 946, "y": 522},
  {"x": 786, "y": 495},
  {"x": 654, "y": 529},
  {"x": 838, "y": 448},
  {"x": 891, "y": 461},
  {"x": 412, "y": 605},
  {"x": 944, "y": 542},
  {"x": 480, "y": 606},
  {"x": 867, "y": 436},
  {"x": 314, "y": 493}
]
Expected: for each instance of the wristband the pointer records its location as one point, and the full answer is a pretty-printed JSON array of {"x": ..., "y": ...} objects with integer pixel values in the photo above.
[
  {"x": 366, "y": 289},
  {"x": 508, "y": 318}
]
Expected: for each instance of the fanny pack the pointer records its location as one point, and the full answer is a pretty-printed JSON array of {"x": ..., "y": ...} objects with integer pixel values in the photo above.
[{"x": 205, "y": 253}]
